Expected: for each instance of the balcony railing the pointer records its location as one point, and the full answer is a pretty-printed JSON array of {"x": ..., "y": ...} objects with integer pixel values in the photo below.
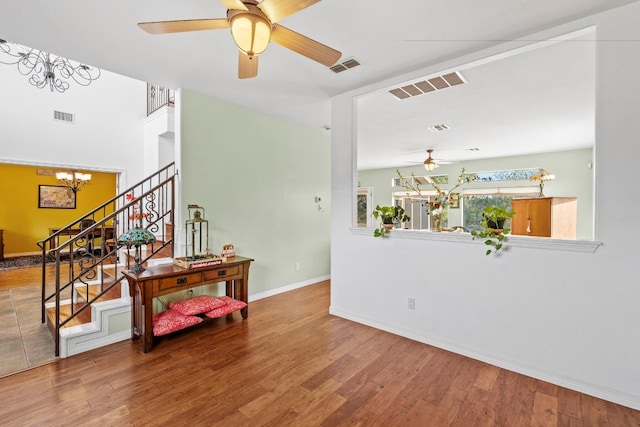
[{"x": 158, "y": 97}]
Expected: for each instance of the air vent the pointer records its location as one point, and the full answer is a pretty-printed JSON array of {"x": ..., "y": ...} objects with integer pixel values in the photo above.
[
  {"x": 344, "y": 66},
  {"x": 426, "y": 86},
  {"x": 63, "y": 117},
  {"x": 438, "y": 128}
]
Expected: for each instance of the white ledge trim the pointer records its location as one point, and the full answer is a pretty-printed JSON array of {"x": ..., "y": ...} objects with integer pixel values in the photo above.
[{"x": 515, "y": 241}]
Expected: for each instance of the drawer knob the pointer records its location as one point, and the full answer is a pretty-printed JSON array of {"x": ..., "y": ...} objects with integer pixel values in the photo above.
[
  {"x": 181, "y": 280},
  {"x": 222, "y": 273}
]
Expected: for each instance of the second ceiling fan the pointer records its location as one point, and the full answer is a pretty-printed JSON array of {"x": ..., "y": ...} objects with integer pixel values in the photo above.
[
  {"x": 430, "y": 163},
  {"x": 253, "y": 26}
]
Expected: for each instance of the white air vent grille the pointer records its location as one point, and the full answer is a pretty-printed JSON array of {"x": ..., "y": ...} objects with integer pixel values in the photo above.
[
  {"x": 438, "y": 128},
  {"x": 344, "y": 66},
  {"x": 63, "y": 117},
  {"x": 426, "y": 86}
]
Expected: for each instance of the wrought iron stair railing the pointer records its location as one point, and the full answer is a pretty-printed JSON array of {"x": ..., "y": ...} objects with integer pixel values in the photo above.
[{"x": 89, "y": 255}]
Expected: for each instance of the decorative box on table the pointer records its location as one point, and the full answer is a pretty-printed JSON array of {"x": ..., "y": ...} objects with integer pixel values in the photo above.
[{"x": 200, "y": 261}]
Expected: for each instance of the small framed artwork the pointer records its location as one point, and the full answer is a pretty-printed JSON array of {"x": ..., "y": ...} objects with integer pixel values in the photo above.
[
  {"x": 365, "y": 217},
  {"x": 56, "y": 197},
  {"x": 454, "y": 200}
]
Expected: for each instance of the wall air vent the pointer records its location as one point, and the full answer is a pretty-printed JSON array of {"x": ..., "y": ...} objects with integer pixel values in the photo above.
[
  {"x": 63, "y": 117},
  {"x": 344, "y": 66},
  {"x": 425, "y": 86}
]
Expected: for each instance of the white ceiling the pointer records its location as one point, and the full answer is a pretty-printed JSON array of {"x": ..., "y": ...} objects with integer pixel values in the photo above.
[
  {"x": 536, "y": 99},
  {"x": 388, "y": 37}
]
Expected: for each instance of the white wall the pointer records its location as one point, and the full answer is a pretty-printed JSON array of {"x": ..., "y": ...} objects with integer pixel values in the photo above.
[
  {"x": 107, "y": 134},
  {"x": 257, "y": 178},
  {"x": 563, "y": 316}
]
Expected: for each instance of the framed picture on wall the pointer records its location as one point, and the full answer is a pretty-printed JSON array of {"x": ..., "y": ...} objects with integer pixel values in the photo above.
[
  {"x": 454, "y": 200},
  {"x": 56, "y": 197},
  {"x": 365, "y": 198}
]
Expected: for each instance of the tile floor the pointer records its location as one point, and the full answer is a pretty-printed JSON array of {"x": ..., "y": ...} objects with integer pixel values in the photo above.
[{"x": 25, "y": 342}]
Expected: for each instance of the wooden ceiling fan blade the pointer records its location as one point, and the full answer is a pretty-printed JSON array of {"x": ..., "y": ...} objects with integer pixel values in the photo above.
[
  {"x": 304, "y": 45},
  {"x": 164, "y": 27},
  {"x": 279, "y": 9},
  {"x": 234, "y": 4},
  {"x": 247, "y": 66}
]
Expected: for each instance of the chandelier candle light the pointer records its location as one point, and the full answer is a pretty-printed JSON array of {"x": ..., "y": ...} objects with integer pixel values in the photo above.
[
  {"x": 73, "y": 180},
  {"x": 44, "y": 69}
]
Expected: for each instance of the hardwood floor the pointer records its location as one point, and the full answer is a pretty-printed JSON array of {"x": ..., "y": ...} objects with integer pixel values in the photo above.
[
  {"x": 28, "y": 276},
  {"x": 290, "y": 364}
]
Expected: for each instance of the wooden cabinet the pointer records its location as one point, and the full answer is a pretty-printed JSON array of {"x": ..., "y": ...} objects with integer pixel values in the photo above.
[
  {"x": 545, "y": 217},
  {"x": 1, "y": 245}
]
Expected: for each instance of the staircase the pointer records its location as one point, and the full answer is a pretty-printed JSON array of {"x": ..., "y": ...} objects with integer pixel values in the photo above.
[{"x": 85, "y": 294}]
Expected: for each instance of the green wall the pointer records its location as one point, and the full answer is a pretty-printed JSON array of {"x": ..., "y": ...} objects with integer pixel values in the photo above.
[{"x": 257, "y": 178}]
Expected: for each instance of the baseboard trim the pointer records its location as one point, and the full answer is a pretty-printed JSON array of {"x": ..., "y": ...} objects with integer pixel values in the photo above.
[
  {"x": 287, "y": 288},
  {"x": 595, "y": 390}
]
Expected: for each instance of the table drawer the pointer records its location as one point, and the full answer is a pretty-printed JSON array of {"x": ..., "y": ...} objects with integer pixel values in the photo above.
[
  {"x": 180, "y": 281},
  {"x": 222, "y": 274}
]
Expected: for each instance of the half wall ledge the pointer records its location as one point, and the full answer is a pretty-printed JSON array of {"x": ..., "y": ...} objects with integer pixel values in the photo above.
[{"x": 588, "y": 246}]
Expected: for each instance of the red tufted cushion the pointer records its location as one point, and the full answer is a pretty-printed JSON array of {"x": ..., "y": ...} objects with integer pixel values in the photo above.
[
  {"x": 169, "y": 321},
  {"x": 196, "y": 305},
  {"x": 230, "y": 306}
]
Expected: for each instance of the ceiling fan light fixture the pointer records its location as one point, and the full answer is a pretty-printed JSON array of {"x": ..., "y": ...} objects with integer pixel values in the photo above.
[
  {"x": 251, "y": 32},
  {"x": 430, "y": 164}
]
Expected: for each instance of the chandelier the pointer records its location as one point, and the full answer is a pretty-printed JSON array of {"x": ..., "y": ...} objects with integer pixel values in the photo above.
[
  {"x": 74, "y": 180},
  {"x": 44, "y": 69}
]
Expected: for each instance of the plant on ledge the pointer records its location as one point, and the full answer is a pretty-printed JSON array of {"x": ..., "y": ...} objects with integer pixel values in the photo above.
[
  {"x": 389, "y": 216},
  {"x": 441, "y": 200},
  {"x": 493, "y": 220}
]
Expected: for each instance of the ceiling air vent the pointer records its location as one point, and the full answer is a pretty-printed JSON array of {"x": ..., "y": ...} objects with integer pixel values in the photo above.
[
  {"x": 344, "y": 66},
  {"x": 425, "y": 86},
  {"x": 63, "y": 117},
  {"x": 438, "y": 128}
]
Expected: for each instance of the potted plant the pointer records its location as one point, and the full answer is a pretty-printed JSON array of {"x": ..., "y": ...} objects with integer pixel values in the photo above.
[
  {"x": 494, "y": 232},
  {"x": 494, "y": 217},
  {"x": 389, "y": 217}
]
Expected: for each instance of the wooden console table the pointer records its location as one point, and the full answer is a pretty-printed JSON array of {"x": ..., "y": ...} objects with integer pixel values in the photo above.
[{"x": 165, "y": 279}]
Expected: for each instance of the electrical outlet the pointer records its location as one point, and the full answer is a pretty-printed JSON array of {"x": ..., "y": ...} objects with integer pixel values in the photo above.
[
  {"x": 297, "y": 266},
  {"x": 412, "y": 303},
  {"x": 190, "y": 292}
]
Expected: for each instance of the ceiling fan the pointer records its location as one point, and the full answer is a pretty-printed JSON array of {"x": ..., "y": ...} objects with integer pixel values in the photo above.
[
  {"x": 430, "y": 163},
  {"x": 253, "y": 26}
]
